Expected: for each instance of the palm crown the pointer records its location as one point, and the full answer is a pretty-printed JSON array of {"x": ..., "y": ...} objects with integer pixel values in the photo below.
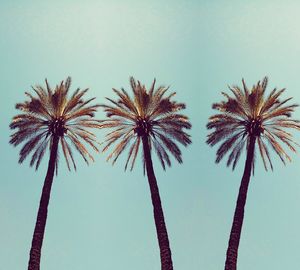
[
  {"x": 53, "y": 114},
  {"x": 149, "y": 114},
  {"x": 248, "y": 113}
]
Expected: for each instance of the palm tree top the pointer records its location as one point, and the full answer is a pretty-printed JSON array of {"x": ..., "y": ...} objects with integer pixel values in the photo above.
[
  {"x": 248, "y": 113},
  {"x": 149, "y": 114},
  {"x": 50, "y": 114}
]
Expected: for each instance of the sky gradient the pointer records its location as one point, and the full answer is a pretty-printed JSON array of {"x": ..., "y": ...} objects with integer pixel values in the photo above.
[{"x": 100, "y": 217}]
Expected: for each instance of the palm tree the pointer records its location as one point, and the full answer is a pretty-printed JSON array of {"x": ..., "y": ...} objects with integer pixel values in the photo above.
[
  {"x": 50, "y": 119},
  {"x": 249, "y": 119},
  {"x": 152, "y": 120}
]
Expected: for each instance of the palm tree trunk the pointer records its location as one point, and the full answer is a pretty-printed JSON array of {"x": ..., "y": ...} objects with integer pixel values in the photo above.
[
  {"x": 38, "y": 235},
  {"x": 161, "y": 230},
  {"x": 235, "y": 234}
]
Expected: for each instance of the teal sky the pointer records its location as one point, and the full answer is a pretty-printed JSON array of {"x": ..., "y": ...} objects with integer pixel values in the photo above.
[{"x": 101, "y": 217}]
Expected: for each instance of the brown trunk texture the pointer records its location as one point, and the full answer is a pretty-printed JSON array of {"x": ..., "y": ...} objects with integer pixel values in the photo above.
[
  {"x": 235, "y": 234},
  {"x": 161, "y": 230},
  {"x": 39, "y": 230}
]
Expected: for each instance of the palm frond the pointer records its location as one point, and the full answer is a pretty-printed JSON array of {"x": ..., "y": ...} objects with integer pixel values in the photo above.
[
  {"x": 149, "y": 113},
  {"x": 249, "y": 113},
  {"x": 52, "y": 113}
]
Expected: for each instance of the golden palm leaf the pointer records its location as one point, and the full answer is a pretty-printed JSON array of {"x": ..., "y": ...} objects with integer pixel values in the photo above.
[
  {"x": 149, "y": 113},
  {"x": 53, "y": 113},
  {"x": 249, "y": 113}
]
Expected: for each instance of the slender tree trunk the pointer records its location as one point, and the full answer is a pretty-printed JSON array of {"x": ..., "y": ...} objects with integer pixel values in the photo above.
[
  {"x": 235, "y": 234},
  {"x": 161, "y": 230},
  {"x": 38, "y": 235}
]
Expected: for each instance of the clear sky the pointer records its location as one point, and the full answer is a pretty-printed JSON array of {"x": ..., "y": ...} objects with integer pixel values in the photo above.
[{"x": 101, "y": 217}]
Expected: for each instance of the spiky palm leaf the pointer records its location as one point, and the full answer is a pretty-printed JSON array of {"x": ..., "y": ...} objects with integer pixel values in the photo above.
[
  {"x": 251, "y": 113},
  {"x": 53, "y": 113},
  {"x": 149, "y": 113}
]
